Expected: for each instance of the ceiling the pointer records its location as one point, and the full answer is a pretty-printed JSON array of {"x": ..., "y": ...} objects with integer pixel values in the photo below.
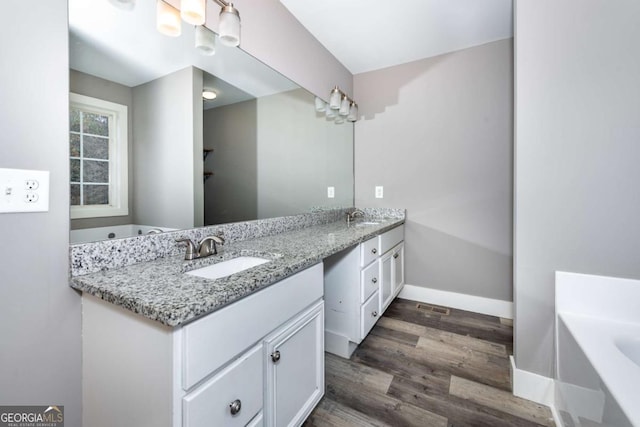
[{"x": 366, "y": 35}]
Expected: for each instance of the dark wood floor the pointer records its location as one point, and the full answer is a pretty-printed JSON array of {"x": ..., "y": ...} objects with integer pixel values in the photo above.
[{"x": 419, "y": 367}]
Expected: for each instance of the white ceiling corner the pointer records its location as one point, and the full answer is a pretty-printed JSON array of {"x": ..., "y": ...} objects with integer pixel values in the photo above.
[{"x": 366, "y": 35}]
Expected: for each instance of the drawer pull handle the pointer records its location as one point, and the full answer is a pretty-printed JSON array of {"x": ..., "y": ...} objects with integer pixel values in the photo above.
[
  {"x": 374, "y": 314},
  {"x": 374, "y": 280},
  {"x": 275, "y": 356},
  {"x": 235, "y": 406},
  {"x": 374, "y": 251},
  {"x": 395, "y": 255}
]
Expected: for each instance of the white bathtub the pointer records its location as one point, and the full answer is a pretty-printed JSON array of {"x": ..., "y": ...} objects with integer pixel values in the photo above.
[
  {"x": 598, "y": 350},
  {"x": 116, "y": 232}
]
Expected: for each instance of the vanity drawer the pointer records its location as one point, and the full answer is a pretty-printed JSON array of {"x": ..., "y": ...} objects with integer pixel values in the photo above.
[
  {"x": 239, "y": 327},
  {"x": 369, "y": 314},
  {"x": 369, "y": 279},
  {"x": 241, "y": 383},
  {"x": 391, "y": 238},
  {"x": 369, "y": 251}
]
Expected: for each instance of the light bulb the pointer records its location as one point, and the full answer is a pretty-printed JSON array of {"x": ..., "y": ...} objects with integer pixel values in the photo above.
[
  {"x": 193, "y": 11},
  {"x": 344, "y": 106},
  {"x": 229, "y": 26},
  {"x": 168, "y": 19},
  {"x": 205, "y": 40},
  {"x": 334, "y": 98},
  {"x": 353, "y": 112}
]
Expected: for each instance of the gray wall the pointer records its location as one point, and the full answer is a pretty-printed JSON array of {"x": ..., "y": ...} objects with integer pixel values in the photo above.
[
  {"x": 438, "y": 135},
  {"x": 577, "y": 150},
  {"x": 168, "y": 139},
  {"x": 231, "y": 193},
  {"x": 39, "y": 313},
  {"x": 86, "y": 84},
  {"x": 300, "y": 154}
]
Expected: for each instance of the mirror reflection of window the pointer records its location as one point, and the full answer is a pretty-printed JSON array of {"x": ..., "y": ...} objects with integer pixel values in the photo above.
[{"x": 97, "y": 150}]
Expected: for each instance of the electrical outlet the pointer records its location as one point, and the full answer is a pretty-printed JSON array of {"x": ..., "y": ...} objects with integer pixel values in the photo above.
[
  {"x": 24, "y": 190},
  {"x": 31, "y": 184},
  {"x": 331, "y": 192},
  {"x": 379, "y": 192}
]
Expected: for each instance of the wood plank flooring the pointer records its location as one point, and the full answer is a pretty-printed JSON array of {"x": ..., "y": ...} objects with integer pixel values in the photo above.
[{"x": 420, "y": 367}]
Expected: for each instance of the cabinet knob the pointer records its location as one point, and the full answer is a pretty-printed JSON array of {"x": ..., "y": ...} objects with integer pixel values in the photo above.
[
  {"x": 374, "y": 280},
  {"x": 374, "y": 251},
  {"x": 374, "y": 314},
  {"x": 275, "y": 356},
  {"x": 235, "y": 406},
  {"x": 395, "y": 255}
]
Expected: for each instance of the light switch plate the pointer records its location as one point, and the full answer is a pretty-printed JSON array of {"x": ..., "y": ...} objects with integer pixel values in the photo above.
[
  {"x": 379, "y": 192},
  {"x": 331, "y": 192},
  {"x": 24, "y": 190}
]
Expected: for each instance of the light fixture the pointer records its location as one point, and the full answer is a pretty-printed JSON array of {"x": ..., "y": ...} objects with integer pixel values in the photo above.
[
  {"x": 205, "y": 40},
  {"x": 229, "y": 25},
  {"x": 339, "y": 107},
  {"x": 208, "y": 94},
  {"x": 193, "y": 12},
  {"x": 124, "y": 4},
  {"x": 353, "y": 112},
  {"x": 329, "y": 112},
  {"x": 168, "y": 19},
  {"x": 334, "y": 98},
  {"x": 344, "y": 106}
]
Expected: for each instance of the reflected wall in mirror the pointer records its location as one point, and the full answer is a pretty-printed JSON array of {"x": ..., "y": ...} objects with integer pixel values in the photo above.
[{"x": 258, "y": 150}]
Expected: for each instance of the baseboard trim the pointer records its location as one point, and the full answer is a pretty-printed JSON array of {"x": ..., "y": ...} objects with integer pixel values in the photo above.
[
  {"x": 492, "y": 307},
  {"x": 534, "y": 387}
]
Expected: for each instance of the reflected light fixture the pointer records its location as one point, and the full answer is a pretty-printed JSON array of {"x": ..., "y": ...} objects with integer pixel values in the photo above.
[
  {"x": 168, "y": 19},
  {"x": 193, "y": 12},
  {"x": 339, "y": 107},
  {"x": 208, "y": 94},
  {"x": 205, "y": 40}
]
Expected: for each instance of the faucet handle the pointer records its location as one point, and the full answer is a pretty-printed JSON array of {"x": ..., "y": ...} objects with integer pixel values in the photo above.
[
  {"x": 191, "y": 248},
  {"x": 207, "y": 246}
]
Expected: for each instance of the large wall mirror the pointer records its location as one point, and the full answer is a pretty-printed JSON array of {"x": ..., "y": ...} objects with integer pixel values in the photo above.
[{"x": 148, "y": 153}]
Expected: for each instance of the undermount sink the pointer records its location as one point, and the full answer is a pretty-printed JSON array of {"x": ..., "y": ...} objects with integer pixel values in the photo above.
[
  {"x": 630, "y": 348},
  {"x": 227, "y": 268},
  {"x": 366, "y": 223}
]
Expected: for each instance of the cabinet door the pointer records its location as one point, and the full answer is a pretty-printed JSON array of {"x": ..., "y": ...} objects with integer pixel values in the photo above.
[
  {"x": 295, "y": 369},
  {"x": 386, "y": 284},
  {"x": 231, "y": 398},
  {"x": 398, "y": 268}
]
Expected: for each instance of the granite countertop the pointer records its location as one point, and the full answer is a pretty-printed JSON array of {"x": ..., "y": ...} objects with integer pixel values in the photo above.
[{"x": 160, "y": 290}]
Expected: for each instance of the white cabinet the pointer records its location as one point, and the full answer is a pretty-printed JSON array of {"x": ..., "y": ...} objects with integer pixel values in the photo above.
[
  {"x": 360, "y": 283},
  {"x": 295, "y": 369},
  {"x": 215, "y": 371}
]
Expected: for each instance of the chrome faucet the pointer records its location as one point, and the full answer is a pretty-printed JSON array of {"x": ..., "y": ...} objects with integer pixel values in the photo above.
[
  {"x": 352, "y": 215},
  {"x": 206, "y": 247}
]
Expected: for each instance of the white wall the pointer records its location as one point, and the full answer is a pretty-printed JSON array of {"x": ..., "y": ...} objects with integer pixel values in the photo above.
[
  {"x": 577, "y": 152},
  {"x": 86, "y": 84},
  {"x": 39, "y": 313},
  {"x": 167, "y": 150},
  {"x": 437, "y": 135}
]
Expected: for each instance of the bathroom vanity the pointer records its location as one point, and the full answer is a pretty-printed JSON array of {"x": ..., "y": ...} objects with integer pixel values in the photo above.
[
  {"x": 360, "y": 283},
  {"x": 256, "y": 362},
  {"x": 163, "y": 346}
]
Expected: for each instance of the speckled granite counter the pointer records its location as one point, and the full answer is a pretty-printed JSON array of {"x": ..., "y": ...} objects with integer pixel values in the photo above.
[{"x": 159, "y": 289}]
